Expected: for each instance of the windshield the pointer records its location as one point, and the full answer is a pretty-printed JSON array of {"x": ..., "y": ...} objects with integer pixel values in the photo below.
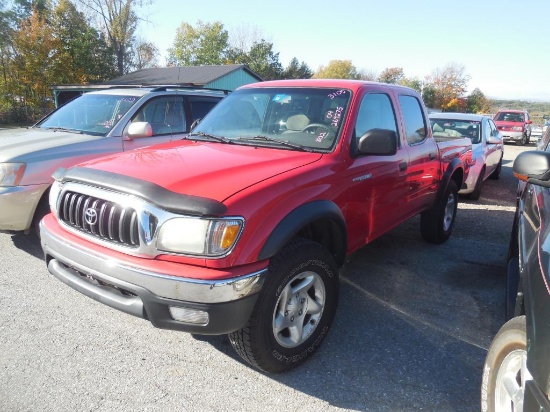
[
  {"x": 510, "y": 117},
  {"x": 90, "y": 113},
  {"x": 289, "y": 118},
  {"x": 456, "y": 128}
]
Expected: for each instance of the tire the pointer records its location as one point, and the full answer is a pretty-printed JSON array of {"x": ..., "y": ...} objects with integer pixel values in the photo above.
[
  {"x": 477, "y": 188},
  {"x": 42, "y": 210},
  {"x": 294, "y": 311},
  {"x": 496, "y": 173},
  {"x": 522, "y": 142},
  {"x": 504, "y": 371},
  {"x": 437, "y": 223}
]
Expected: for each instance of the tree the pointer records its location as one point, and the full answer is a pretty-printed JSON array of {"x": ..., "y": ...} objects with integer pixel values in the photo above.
[
  {"x": 145, "y": 54},
  {"x": 449, "y": 82},
  {"x": 337, "y": 69},
  {"x": 83, "y": 49},
  {"x": 477, "y": 102},
  {"x": 36, "y": 63},
  {"x": 413, "y": 83},
  {"x": 205, "y": 44},
  {"x": 392, "y": 75},
  {"x": 297, "y": 70},
  {"x": 119, "y": 22}
]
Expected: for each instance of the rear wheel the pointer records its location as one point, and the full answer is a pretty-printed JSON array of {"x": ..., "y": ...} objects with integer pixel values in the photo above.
[
  {"x": 505, "y": 370},
  {"x": 294, "y": 311},
  {"x": 437, "y": 223},
  {"x": 477, "y": 189}
]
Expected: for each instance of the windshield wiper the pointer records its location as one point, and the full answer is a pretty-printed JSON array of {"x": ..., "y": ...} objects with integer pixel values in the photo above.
[
  {"x": 210, "y": 136},
  {"x": 286, "y": 143},
  {"x": 64, "y": 129}
]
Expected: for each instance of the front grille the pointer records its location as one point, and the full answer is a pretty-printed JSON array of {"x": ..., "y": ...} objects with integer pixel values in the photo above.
[{"x": 100, "y": 218}]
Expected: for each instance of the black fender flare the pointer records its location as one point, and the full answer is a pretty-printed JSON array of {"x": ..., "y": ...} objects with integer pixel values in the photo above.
[
  {"x": 301, "y": 217},
  {"x": 454, "y": 165}
]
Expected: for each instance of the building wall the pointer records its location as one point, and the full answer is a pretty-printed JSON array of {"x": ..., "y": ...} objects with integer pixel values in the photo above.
[{"x": 232, "y": 81}]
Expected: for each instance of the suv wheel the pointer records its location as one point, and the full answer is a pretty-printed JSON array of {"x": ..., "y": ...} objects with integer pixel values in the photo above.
[
  {"x": 505, "y": 371},
  {"x": 523, "y": 141},
  {"x": 294, "y": 311}
]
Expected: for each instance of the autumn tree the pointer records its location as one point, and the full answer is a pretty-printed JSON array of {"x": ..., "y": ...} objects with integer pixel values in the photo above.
[
  {"x": 337, "y": 69},
  {"x": 145, "y": 54},
  {"x": 203, "y": 44},
  {"x": 449, "y": 84},
  {"x": 36, "y": 64},
  {"x": 392, "y": 75}
]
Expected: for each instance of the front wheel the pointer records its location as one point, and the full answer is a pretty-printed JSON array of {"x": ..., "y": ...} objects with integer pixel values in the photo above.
[
  {"x": 522, "y": 142},
  {"x": 437, "y": 223},
  {"x": 294, "y": 311},
  {"x": 505, "y": 370}
]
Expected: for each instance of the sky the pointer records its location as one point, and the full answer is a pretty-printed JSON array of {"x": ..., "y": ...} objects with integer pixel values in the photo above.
[{"x": 504, "y": 45}]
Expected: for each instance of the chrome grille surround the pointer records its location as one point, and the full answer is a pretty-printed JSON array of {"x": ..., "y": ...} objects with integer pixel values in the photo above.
[{"x": 140, "y": 222}]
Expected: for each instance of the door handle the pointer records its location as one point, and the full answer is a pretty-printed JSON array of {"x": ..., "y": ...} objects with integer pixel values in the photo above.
[{"x": 402, "y": 166}]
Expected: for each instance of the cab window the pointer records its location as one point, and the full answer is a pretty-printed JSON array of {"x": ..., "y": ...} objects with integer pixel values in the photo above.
[{"x": 415, "y": 124}]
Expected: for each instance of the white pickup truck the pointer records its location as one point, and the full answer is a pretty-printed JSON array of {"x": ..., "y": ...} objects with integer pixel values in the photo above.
[{"x": 92, "y": 125}]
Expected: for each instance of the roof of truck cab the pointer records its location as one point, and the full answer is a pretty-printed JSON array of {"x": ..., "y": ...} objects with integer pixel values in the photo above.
[{"x": 326, "y": 83}]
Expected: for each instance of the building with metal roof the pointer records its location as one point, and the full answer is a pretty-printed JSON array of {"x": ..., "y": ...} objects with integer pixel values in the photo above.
[{"x": 223, "y": 77}]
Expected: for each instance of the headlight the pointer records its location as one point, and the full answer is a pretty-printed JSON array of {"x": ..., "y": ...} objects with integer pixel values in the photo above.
[
  {"x": 196, "y": 236},
  {"x": 11, "y": 173}
]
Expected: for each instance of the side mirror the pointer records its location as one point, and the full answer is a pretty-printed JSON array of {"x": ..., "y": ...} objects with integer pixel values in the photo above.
[
  {"x": 140, "y": 129},
  {"x": 533, "y": 166},
  {"x": 529, "y": 122},
  {"x": 494, "y": 139},
  {"x": 380, "y": 142}
]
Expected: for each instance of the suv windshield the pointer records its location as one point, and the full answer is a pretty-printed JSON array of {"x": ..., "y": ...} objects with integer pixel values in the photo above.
[
  {"x": 290, "y": 118},
  {"x": 510, "y": 117},
  {"x": 456, "y": 128},
  {"x": 90, "y": 113}
]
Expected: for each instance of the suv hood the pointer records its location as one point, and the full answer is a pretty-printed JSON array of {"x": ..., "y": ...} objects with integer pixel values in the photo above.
[
  {"x": 210, "y": 170},
  {"x": 16, "y": 143}
]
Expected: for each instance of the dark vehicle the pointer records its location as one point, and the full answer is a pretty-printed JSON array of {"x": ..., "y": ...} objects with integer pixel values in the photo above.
[{"x": 516, "y": 374}]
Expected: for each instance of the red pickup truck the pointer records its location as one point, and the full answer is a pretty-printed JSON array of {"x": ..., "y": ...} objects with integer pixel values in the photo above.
[{"x": 241, "y": 227}]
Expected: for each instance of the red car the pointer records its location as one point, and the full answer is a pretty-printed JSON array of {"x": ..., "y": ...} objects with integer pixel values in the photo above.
[{"x": 514, "y": 126}]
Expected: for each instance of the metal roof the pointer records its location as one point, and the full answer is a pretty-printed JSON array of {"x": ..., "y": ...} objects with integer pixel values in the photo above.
[{"x": 189, "y": 75}]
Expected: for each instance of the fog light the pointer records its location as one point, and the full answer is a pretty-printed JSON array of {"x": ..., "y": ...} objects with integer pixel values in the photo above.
[{"x": 188, "y": 315}]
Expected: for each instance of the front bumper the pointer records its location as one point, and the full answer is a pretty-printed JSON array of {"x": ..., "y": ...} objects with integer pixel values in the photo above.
[
  {"x": 511, "y": 136},
  {"x": 148, "y": 294},
  {"x": 17, "y": 206}
]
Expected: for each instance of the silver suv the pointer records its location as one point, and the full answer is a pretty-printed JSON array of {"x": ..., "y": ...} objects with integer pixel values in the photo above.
[{"x": 92, "y": 125}]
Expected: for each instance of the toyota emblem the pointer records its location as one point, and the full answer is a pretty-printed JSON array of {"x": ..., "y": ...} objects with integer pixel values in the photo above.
[{"x": 90, "y": 216}]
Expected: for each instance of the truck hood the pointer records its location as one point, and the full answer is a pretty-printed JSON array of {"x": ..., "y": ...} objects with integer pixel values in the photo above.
[
  {"x": 210, "y": 170},
  {"x": 16, "y": 143}
]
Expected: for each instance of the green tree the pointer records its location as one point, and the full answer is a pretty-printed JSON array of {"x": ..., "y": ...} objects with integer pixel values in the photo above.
[
  {"x": 392, "y": 75},
  {"x": 477, "y": 102},
  {"x": 204, "y": 44},
  {"x": 413, "y": 83},
  {"x": 337, "y": 69},
  {"x": 83, "y": 49},
  {"x": 297, "y": 70}
]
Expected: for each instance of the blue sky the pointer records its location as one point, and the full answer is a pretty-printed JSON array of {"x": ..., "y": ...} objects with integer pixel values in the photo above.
[{"x": 503, "y": 45}]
